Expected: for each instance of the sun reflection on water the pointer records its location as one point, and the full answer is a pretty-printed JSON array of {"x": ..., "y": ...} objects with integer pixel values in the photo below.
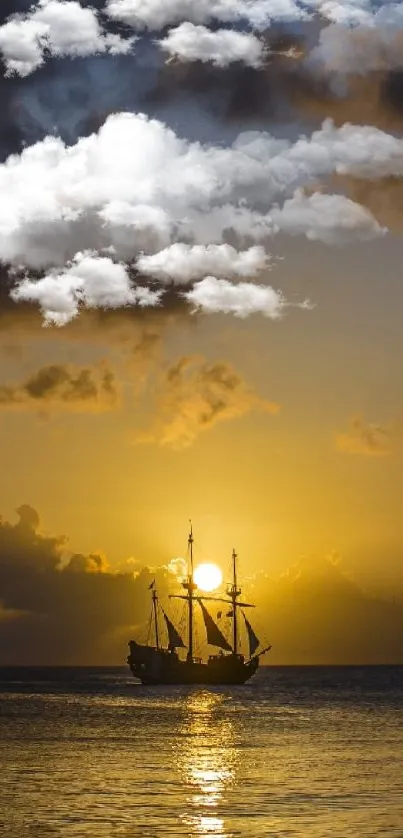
[{"x": 207, "y": 761}]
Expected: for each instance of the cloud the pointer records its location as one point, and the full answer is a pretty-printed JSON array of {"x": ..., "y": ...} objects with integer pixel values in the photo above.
[
  {"x": 213, "y": 295},
  {"x": 259, "y": 14},
  {"x": 73, "y": 608},
  {"x": 222, "y": 47},
  {"x": 333, "y": 219},
  {"x": 76, "y": 610},
  {"x": 374, "y": 45},
  {"x": 93, "y": 563},
  {"x": 90, "y": 280},
  {"x": 133, "y": 340},
  {"x": 178, "y": 567},
  {"x": 183, "y": 263},
  {"x": 66, "y": 387},
  {"x": 156, "y": 14},
  {"x": 319, "y": 614},
  {"x": 194, "y": 395},
  {"x": 368, "y": 438},
  {"x": 135, "y": 188},
  {"x": 58, "y": 28}
]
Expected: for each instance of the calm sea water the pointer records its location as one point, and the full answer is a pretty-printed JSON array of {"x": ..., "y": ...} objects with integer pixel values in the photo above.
[{"x": 307, "y": 752}]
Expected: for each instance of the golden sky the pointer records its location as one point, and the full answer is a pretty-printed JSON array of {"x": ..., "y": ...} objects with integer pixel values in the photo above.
[
  {"x": 278, "y": 484},
  {"x": 200, "y": 307}
]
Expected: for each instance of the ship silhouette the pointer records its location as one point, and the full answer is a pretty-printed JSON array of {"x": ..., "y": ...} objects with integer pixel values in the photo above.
[{"x": 156, "y": 664}]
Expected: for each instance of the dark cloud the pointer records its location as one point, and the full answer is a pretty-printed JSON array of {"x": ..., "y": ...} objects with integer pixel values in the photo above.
[
  {"x": 372, "y": 99},
  {"x": 94, "y": 563},
  {"x": 391, "y": 89},
  {"x": 72, "y": 98},
  {"x": 235, "y": 94},
  {"x": 11, "y": 7},
  {"x": 58, "y": 385},
  {"x": 58, "y": 611},
  {"x": 316, "y": 613}
]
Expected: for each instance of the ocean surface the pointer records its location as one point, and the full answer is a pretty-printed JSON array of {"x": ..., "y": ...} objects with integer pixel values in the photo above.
[{"x": 308, "y": 752}]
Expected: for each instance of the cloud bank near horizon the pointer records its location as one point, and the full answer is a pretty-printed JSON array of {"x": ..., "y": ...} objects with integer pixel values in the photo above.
[{"x": 78, "y": 609}]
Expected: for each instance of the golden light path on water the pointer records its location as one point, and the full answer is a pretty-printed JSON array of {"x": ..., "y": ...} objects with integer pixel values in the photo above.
[
  {"x": 207, "y": 761},
  {"x": 294, "y": 754}
]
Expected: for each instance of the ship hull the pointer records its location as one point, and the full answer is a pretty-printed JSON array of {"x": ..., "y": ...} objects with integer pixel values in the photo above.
[{"x": 152, "y": 666}]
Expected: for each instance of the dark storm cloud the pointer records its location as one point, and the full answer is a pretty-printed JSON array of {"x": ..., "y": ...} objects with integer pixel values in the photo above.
[{"x": 64, "y": 611}]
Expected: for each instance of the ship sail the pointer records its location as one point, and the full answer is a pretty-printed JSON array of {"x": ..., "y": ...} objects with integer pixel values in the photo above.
[
  {"x": 254, "y": 641},
  {"x": 214, "y": 635},
  {"x": 175, "y": 640}
]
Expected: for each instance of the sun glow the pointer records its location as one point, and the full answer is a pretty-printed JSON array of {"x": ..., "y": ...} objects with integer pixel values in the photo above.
[{"x": 208, "y": 576}]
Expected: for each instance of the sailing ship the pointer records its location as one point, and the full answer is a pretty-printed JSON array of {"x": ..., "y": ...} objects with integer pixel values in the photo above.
[{"x": 156, "y": 664}]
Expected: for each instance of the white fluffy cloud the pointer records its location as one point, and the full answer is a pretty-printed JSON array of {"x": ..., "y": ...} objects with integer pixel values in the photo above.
[
  {"x": 213, "y": 295},
  {"x": 59, "y": 27},
  {"x": 90, "y": 280},
  {"x": 137, "y": 193},
  {"x": 183, "y": 263},
  {"x": 332, "y": 219},
  {"x": 98, "y": 282},
  {"x": 137, "y": 187},
  {"x": 189, "y": 42},
  {"x": 66, "y": 28},
  {"x": 355, "y": 13},
  {"x": 156, "y": 14}
]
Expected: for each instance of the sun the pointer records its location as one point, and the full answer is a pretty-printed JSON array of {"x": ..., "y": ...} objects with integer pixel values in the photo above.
[{"x": 208, "y": 576}]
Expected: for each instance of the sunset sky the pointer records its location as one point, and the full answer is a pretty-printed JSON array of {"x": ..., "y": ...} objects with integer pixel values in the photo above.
[{"x": 250, "y": 375}]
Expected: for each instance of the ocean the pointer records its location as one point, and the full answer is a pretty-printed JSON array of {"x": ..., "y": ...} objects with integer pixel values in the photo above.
[{"x": 308, "y": 752}]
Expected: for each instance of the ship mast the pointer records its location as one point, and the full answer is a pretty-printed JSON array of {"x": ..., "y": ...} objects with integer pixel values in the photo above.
[
  {"x": 214, "y": 635},
  {"x": 189, "y": 586},
  {"x": 155, "y": 604},
  {"x": 234, "y": 592}
]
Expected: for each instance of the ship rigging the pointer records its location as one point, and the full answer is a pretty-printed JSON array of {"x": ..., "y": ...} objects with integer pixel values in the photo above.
[{"x": 160, "y": 665}]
